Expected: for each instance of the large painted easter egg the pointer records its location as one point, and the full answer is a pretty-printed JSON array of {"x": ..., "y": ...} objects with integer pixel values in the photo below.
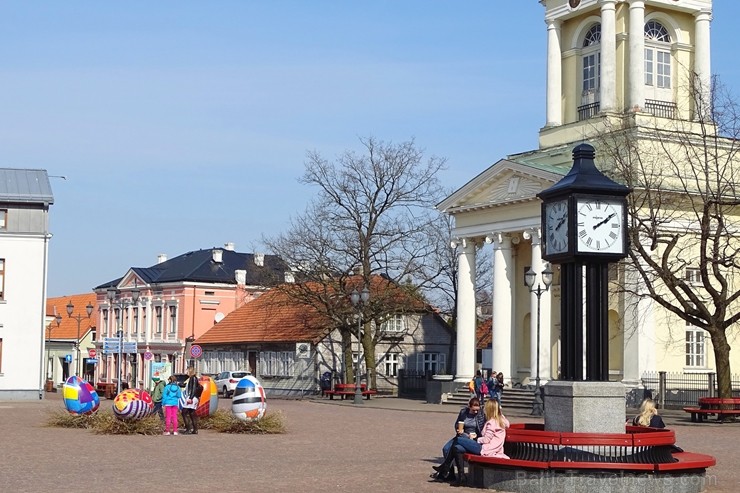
[
  {"x": 249, "y": 399},
  {"x": 79, "y": 396},
  {"x": 132, "y": 404},
  {"x": 208, "y": 402}
]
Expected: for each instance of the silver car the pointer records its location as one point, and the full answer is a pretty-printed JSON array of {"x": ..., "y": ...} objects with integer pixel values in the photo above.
[{"x": 226, "y": 381}]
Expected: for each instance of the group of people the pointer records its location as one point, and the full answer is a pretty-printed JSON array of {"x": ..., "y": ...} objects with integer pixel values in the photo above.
[
  {"x": 166, "y": 399},
  {"x": 485, "y": 433},
  {"x": 475, "y": 433},
  {"x": 484, "y": 389}
]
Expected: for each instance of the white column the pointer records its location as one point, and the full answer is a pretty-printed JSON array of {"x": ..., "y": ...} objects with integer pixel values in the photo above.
[
  {"x": 554, "y": 76},
  {"x": 545, "y": 312},
  {"x": 465, "y": 351},
  {"x": 608, "y": 87},
  {"x": 503, "y": 270},
  {"x": 637, "y": 55},
  {"x": 702, "y": 65},
  {"x": 639, "y": 326}
]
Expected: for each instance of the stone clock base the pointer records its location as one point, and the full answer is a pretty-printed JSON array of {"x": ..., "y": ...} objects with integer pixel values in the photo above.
[{"x": 585, "y": 407}]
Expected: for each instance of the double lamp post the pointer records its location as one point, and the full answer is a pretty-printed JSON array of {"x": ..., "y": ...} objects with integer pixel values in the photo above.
[
  {"x": 121, "y": 305},
  {"x": 79, "y": 318},
  {"x": 358, "y": 300},
  {"x": 529, "y": 278}
]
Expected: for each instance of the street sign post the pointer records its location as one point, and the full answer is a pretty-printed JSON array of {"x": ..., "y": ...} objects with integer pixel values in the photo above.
[
  {"x": 92, "y": 353},
  {"x": 196, "y": 351}
]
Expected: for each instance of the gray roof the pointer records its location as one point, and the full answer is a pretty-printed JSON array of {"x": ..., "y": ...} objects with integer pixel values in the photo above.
[{"x": 25, "y": 185}]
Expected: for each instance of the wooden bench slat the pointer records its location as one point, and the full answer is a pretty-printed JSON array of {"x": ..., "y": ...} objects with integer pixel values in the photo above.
[
  {"x": 688, "y": 460},
  {"x": 624, "y": 466},
  {"x": 499, "y": 461}
]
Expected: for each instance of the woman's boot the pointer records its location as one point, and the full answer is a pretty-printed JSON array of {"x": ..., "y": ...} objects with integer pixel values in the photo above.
[
  {"x": 443, "y": 470},
  {"x": 461, "y": 479}
]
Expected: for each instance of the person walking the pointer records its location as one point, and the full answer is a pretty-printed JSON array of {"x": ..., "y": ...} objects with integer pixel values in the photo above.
[
  {"x": 170, "y": 401},
  {"x": 193, "y": 390},
  {"x": 157, "y": 394}
]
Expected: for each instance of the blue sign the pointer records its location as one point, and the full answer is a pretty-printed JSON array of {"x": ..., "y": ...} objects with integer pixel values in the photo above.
[
  {"x": 92, "y": 360},
  {"x": 68, "y": 358}
]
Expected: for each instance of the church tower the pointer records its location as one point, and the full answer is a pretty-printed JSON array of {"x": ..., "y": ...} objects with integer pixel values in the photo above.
[{"x": 646, "y": 58}]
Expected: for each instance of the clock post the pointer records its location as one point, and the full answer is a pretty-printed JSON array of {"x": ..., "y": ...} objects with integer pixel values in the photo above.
[{"x": 584, "y": 224}]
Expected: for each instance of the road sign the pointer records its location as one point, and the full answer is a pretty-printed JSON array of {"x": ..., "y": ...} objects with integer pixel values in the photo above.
[
  {"x": 68, "y": 358},
  {"x": 111, "y": 345},
  {"x": 148, "y": 355},
  {"x": 92, "y": 361},
  {"x": 196, "y": 351},
  {"x": 129, "y": 347},
  {"x": 92, "y": 353}
]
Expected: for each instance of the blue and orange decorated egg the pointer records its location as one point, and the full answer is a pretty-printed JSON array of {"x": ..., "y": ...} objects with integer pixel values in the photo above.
[
  {"x": 132, "y": 404},
  {"x": 79, "y": 396},
  {"x": 249, "y": 399},
  {"x": 208, "y": 402}
]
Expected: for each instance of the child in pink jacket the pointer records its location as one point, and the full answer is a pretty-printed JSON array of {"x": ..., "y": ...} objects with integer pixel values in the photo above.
[{"x": 494, "y": 431}]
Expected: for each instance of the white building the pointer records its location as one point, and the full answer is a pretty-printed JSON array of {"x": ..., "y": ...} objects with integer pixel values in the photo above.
[{"x": 25, "y": 197}]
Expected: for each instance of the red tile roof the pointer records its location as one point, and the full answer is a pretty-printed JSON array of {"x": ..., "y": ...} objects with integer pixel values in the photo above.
[
  {"x": 484, "y": 334},
  {"x": 273, "y": 317},
  {"x": 67, "y": 329}
]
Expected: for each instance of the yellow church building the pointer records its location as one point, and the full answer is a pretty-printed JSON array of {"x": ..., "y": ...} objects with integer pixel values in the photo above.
[{"x": 620, "y": 74}]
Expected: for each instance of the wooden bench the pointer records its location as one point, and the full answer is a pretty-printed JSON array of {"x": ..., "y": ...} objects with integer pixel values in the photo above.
[
  {"x": 108, "y": 390},
  {"x": 345, "y": 390},
  {"x": 722, "y": 407}
]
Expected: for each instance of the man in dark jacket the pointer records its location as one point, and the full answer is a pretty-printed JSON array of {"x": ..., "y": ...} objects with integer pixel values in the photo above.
[{"x": 192, "y": 392}]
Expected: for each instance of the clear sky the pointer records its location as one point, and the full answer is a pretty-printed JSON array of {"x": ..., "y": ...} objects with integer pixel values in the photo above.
[{"x": 183, "y": 125}]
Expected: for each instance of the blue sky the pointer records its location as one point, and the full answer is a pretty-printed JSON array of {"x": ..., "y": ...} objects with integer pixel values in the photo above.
[{"x": 184, "y": 125}]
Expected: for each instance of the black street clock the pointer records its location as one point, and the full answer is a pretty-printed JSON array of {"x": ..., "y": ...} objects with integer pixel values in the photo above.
[{"x": 584, "y": 215}]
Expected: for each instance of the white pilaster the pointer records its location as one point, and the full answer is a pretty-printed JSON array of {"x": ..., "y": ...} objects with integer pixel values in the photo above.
[
  {"x": 637, "y": 55},
  {"x": 465, "y": 351},
  {"x": 639, "y": 332},
  {"x": 702, "y": 65},
  {"x": 608, "y": 88},
  {"x": 503, "y": 270},
  {"x": 554, "y": 77}
]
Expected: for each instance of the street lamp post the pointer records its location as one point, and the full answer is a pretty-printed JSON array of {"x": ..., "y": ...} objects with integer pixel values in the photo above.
[
  {"x": 79, "y": 318},
  {"x": 58, "y": 320},
  {"x": 358, "y": 300},
  {"x": 529, "y": 279},
  {"x": 122, "y": 305}
]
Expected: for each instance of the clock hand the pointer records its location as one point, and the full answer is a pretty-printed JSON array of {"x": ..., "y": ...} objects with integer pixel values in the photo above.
[
  {"x": 606, "y": 220},
  {"x": 560, "y": 223}
]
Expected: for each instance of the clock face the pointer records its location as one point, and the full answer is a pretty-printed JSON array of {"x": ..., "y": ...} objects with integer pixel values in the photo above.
[
  {"x": 599, "y": 226},
  {"x": 556, "y": 227}
]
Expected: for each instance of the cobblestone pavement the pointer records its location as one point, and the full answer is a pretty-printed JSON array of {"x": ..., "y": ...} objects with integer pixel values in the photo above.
[{"x": 385, "y": 445}]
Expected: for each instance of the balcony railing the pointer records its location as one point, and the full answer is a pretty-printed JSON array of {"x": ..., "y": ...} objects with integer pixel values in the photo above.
[
  {"x": 588, "y": 111},
  {"x": 662, "y": 109}
]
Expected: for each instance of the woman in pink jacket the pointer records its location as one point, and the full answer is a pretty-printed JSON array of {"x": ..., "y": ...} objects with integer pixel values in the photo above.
[{"x": 494, "y": 432}]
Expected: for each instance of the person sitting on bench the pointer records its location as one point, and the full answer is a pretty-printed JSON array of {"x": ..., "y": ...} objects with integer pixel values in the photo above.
[{"x": 648, "y": 415}]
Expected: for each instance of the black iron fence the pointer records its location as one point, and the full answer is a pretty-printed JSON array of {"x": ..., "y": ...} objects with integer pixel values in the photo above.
[
  {"x": 673, "y": 390},
  {"x": 412, "y": 384},
  {"x": 663, "y": 109},
  {"x": 588, "y": 111}
]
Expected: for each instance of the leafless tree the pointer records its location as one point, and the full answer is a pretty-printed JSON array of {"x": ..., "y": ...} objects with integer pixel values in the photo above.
[
  {"x": 684, "y": 216},
  {"x": 372, "y": 216}
]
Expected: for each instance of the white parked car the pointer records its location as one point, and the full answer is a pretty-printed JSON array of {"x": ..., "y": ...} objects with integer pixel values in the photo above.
[{"x": 226, "y": 381}]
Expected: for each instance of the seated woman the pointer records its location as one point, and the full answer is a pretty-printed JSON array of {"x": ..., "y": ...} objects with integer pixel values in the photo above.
[
  {"x": 648, "y": 415},
  {"x": 468, "y": 426}
]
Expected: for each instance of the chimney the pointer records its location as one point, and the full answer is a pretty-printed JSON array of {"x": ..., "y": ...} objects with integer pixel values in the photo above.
[
  {"x": 229, "y": 246},
  {"x": 289, "y": 277},
  {"x": 259, "y": 259},
  {"x": 241, "y": 277},
  {"x": 161, "y": 258},
  {"x": 217, "y": 255}
]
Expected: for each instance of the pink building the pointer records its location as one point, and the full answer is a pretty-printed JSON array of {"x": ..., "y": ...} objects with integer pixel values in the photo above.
[{"x": 164, "y": 307}]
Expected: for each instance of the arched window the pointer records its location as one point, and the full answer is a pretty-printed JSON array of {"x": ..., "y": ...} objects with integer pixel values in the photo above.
[
  {"x": 591, "y": 59},
  {"x": 657, "y": 56}
]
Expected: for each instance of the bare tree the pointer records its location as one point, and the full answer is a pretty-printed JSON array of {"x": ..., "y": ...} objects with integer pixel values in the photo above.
[
  {"x": 684, "y": 216},
  {"x": 372, "y": 216}
]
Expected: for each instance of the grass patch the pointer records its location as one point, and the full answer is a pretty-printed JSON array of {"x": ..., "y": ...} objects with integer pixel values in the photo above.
[
  {"x": 106, "y": 423},
  {"x": 225, "y": 422}
]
